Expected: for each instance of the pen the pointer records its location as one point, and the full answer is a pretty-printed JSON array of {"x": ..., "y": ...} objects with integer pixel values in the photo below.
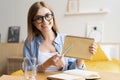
[{"x": 68, "y": 48}]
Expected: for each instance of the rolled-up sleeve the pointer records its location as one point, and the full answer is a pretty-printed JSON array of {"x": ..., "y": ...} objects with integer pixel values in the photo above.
[{"x": 71, "y": 63}]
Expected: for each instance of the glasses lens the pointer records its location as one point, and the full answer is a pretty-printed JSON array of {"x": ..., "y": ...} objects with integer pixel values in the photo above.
[
  {"x": 38, "y": 19},
  {"x": 48, "y": 17}
]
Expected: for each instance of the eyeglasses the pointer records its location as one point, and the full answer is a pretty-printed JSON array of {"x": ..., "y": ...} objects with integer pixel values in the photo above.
[{"x": 40, "y": 19}]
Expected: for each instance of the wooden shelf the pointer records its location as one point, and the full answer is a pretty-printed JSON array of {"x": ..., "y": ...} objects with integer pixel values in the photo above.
[
  {"x": 85, "y": 13},
  {"x": 14, "y": 64}
]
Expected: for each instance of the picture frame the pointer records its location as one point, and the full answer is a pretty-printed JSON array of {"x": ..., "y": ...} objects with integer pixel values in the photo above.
[
  {"x": 95, "y": 31},
  {"x": 13, "y": 34},
  {"x": 73, "y": 6}
]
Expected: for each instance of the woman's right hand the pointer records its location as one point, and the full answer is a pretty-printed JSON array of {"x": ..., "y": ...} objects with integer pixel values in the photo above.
[{"x": 57, "y": 60}]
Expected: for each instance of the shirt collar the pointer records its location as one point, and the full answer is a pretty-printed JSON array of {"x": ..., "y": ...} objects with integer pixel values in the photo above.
[{"x": 57, "y": 39}]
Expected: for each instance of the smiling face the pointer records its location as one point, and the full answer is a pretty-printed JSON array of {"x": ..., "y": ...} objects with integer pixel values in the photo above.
[
  {"x": 43, "y": 20},
  {"x": 40, "y": 19}
]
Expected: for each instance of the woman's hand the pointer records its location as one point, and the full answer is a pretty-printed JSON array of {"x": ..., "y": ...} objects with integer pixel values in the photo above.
[
  {"x": 93, "y": 48},
  {"x": 56, "y": 60},
  {"x": 80, "y": 62}
]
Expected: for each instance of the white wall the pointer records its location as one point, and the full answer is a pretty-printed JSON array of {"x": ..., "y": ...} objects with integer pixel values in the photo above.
[
  {"x": 76, "y": 25},
  {"x": 14, "y": 13}
]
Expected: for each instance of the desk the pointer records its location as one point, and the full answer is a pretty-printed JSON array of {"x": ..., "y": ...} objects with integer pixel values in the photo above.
[
  {"x": 109, "y": 76},
  {"x": 42, "y": 76}
]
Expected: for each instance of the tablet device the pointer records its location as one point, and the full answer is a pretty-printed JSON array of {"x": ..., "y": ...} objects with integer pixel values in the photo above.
[{"x": 77, "y": 47}]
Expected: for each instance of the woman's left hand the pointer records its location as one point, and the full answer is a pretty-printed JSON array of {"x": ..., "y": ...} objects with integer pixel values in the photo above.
[{"x": 93, "y": 48}]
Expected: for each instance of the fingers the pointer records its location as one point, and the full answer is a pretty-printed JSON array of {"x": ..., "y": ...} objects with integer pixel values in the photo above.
[
  {"x": 55, "y": 56},
  {"x": 58, "y": 60},
  {"x": 93, "y": 48},
  {"x": 60, "y": 63}
]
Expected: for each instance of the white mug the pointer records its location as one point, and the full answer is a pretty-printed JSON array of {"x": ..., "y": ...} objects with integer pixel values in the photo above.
[{"x": 29, "y": 66}]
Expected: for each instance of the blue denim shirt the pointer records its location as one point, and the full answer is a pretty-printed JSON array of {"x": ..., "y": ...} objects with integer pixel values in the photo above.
[{"x": 31, "y": 50}]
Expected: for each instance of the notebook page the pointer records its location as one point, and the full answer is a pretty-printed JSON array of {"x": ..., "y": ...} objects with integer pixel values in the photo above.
[
  {"x": 63, "y": 76},
  {"x": 83, "y": 73}
]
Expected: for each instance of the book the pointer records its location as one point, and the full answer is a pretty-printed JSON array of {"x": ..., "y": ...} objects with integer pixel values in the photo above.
[
  {"x": 75, "y": 74},
  {"x": 77, "y": 47}
]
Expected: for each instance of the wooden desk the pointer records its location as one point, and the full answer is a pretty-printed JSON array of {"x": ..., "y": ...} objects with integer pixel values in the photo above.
[
  {"x": 42, "y": 76},
  {"x": 109, "y": 76}
]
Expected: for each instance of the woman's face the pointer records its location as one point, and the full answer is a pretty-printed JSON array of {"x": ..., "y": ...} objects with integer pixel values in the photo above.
[{"x": 43, "y": 20}]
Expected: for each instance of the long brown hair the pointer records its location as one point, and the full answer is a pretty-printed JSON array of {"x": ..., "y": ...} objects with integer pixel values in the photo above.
[{"x": 32, "y": 30}]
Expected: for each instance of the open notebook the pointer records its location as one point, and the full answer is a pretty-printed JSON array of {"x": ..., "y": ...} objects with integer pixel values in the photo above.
[
  {"x": 77, "y": 47},
  {"x": 74, "y": 75}
]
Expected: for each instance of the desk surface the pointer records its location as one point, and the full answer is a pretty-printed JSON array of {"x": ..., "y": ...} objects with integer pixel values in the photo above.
[{"x": 42, "y": 76}]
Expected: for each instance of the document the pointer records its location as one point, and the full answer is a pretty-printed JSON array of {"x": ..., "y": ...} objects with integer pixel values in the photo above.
[
  {"x": 75, "y": 74},
  {"x": 77, "y": 47}
]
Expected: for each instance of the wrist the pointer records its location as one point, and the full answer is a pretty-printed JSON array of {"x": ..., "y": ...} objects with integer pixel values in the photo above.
[
  {"x": 44, "y": 66},
  {"x": 80, "y": 62}
]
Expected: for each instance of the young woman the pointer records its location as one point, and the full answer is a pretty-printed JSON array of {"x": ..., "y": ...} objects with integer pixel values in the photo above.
[{"x": 45, "y": 42}]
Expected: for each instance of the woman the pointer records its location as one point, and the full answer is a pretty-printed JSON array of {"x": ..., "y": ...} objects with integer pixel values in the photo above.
[{"x": 45, "y": 42}]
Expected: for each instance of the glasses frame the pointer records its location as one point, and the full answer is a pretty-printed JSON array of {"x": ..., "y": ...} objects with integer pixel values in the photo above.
[{"x": 37, "y": 20}]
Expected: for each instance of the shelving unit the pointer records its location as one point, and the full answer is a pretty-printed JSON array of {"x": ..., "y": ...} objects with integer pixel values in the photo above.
[
  {"x": 85, "y": 13},
  {"x": 73, "y": 8},
  {"x": 14, "y": 64}
]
